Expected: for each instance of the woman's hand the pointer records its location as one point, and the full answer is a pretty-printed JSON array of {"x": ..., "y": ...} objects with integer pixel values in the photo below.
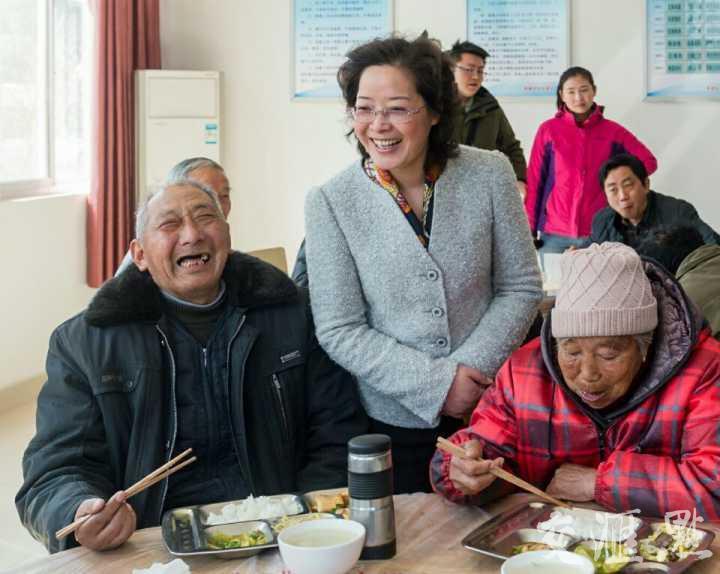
[
  {"x": 465, "y": 392},
  {"x": 110, "y": 525},
  {"x": 573, "y": 482},
  {"x": 471, "y": 474}
]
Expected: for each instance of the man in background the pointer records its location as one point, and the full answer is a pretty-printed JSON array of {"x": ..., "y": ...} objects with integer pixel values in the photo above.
[
  {"x": 634, "y": 210},
  {"x": 192, "y": 346},
  {"x": 481, "y": 121}
]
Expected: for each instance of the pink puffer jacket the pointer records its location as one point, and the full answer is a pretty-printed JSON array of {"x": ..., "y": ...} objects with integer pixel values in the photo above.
[{"x": 563, "y": 190}]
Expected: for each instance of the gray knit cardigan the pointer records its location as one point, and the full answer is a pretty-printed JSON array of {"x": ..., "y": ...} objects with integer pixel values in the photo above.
[{"x": 401, "y": 318}]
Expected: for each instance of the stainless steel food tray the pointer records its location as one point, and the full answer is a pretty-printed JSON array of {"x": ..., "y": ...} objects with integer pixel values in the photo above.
[
  {"x": 185, "y": 530},
  {"x": 500, "y": 534}
]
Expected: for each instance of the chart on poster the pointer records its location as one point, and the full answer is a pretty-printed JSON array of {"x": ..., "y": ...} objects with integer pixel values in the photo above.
[
  {"x": 683, "y": 48},
  {"x": 528, "y": 42},
  {"x": 323, "y": 32}
]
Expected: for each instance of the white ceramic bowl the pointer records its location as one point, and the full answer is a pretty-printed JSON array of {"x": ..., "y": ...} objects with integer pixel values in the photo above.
[
  {"x": 325, "y": 546},
  {"x": 547, "y": 562}
]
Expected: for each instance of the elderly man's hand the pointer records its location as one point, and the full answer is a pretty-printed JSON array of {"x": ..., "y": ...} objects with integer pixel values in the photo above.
[
  {"x": 110, "y": 525},
  {"x": 573, "y": 482},
  {"x": 471, "y": 474}
]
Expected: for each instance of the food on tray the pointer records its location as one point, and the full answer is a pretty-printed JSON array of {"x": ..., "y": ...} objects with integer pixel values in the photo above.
[
  {"x": 669, "y": 543},
  {"x": 329, "y": 502},
  {"x": 255, "y": 509},
  {"x": 530, "y": 547},
  {"x": 336, "y": 502},
  {"x": 607, "y": 557},
  {"x": 591, "y": 524},
  {"x": 220, "y": 541},
  {"x": 286, "y": 521}
]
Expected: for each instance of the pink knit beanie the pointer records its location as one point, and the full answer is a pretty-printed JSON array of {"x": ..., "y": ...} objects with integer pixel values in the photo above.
[{"x": 603, "y": 292}]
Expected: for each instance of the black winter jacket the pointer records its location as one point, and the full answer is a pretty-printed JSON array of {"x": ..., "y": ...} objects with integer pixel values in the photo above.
[
  {"x": 107, "y": 415},
  {"x": 661, "y": 209}
]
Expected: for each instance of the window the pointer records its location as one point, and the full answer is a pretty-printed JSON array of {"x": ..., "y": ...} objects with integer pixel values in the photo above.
[{"x": 45, "y": 83}]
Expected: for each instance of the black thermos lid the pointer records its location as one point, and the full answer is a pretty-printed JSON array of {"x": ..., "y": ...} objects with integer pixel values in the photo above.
[{"x": 369, "y": 444}]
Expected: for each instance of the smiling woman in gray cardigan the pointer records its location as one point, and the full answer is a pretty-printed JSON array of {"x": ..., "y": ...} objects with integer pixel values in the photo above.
[
  {"x": 399, "y": 317},
  {"x": 408, "y": 319}
]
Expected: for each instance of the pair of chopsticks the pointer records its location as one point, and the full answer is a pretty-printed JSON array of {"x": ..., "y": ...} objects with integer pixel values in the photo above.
[
  {"x": 160, "y": 473},
  {"x": 455, "y": 450}
]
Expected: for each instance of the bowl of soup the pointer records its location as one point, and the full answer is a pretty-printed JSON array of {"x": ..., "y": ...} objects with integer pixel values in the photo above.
[
  {"x": 548, "y": 562},
  {"x": 325, "y": 546}
]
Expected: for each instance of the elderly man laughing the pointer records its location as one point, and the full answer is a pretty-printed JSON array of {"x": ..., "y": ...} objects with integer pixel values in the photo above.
[{"x": 191, "y": 347}]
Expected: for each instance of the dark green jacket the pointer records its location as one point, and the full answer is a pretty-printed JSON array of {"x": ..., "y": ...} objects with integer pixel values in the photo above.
[
  {"x": 483, "y": 124},
  {"x": 699, "y": 275},
  {"x": 107, "y": 415}
]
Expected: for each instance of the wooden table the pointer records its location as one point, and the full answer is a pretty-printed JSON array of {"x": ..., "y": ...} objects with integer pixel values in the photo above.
[{"x": 429, "y": 531}]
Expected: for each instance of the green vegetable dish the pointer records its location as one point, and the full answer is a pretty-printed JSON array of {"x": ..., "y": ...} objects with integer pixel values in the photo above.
[
  {"x": 607, "y": 557},
  {"x": 220, "y": 541}
]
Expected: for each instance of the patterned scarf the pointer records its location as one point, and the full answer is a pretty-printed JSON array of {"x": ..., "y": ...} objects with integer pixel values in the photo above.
[{"x": 385, "y": 180}]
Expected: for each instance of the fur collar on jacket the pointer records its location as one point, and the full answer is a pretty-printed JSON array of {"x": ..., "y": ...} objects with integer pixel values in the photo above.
[{"x": 133, "y": 296}]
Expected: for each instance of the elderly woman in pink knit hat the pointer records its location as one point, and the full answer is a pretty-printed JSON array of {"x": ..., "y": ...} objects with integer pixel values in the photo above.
[{"x": 617, "y": 402}]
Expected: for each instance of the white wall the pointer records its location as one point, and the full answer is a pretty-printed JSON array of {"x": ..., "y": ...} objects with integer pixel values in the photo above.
[
  {"x": 276, "y": 149},
  {"x": 42, "y": 280},
  {"x": 273, "y": 150}
]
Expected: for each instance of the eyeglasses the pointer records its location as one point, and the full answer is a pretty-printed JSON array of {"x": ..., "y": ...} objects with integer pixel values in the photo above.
[
  {"x": 366, "y": 115},
  {"x": 470, "y": 71}
]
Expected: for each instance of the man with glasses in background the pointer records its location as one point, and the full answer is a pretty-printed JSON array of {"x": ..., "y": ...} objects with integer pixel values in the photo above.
[{"x": 481, "y": 121}]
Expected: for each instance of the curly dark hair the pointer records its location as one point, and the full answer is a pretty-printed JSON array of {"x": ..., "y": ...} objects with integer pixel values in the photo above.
[{"x": 432, "y": 71}]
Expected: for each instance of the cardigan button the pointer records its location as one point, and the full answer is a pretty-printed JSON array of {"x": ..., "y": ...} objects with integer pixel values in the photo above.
[
  {"x": 441, "y": 342},
  {"x": 432, "y": 275},
  {"x": 437, "y": 312}
]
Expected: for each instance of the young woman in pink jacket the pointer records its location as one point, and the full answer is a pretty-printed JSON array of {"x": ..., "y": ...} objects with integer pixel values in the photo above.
[{"x": 563, "y": 189}]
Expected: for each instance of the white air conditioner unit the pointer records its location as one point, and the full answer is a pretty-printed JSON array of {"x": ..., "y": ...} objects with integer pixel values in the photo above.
[{"x": 177, "y": 116}]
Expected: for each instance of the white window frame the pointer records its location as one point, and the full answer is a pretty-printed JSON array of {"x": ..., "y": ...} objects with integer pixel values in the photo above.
[{"x": 47, "y": 185}]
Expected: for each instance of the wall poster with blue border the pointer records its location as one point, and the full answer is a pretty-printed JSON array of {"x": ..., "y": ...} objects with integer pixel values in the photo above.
[
  {"x": 323, "y": 32},
  {"x": 528, "y": 42},
  {"x": 682, "y": 48}
]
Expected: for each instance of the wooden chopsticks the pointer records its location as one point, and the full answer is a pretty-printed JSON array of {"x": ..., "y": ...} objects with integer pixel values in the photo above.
[
  {"x": 450, "y": 448},
  {"x": 160, "y": 473}
]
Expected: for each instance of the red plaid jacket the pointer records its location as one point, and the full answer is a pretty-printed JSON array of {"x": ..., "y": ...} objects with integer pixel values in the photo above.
[{"x": 663, "y": 455}]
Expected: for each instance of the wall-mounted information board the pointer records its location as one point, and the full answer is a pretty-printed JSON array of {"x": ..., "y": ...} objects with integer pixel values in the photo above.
[
  {"x": 528, "y": 42},
  {"x": 683, "y": 48},
  {"x": 323, "y": 32}
]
